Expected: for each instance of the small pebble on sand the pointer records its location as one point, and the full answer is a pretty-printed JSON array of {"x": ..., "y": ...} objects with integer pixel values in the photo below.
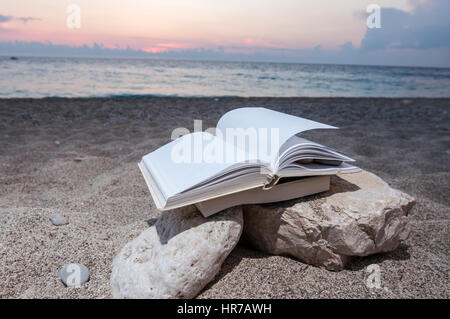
[
  {"x": 73, "y": 275},
  {"x": 58, "y": 220}
]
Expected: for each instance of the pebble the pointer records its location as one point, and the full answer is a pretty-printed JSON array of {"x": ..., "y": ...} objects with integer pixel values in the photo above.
[
  {"x": 57, "y": 142},
  {"x": 73, "y": 275},
  {"x": 58, "y": 220}
]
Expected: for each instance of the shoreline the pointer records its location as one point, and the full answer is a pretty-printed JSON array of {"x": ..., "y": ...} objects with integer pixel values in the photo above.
[{"x": 78, "y": 157}]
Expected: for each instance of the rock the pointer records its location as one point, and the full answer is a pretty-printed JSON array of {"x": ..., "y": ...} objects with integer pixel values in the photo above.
[
  {"x": 177, "y": 256},
  {"x": 74, "y": 275},
  {"x": 58, "y": 220},
  {"x": 360, "y": 215}
]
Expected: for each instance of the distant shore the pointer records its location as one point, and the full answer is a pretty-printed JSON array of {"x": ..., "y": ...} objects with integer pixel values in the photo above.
[{"x": 78, "y": 157}]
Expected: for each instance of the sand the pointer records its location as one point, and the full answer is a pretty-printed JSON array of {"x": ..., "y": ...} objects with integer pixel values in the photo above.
[{"x": 78, "y": 158}]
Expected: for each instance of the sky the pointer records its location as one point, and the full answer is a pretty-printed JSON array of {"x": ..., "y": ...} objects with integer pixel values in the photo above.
[{"x": 413, "y": 32}]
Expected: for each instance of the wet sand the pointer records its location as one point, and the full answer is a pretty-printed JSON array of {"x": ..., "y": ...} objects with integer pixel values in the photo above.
[{"x": 78, "y": 158}]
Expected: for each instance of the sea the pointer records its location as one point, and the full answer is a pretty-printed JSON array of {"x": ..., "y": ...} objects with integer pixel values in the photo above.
[{"x": 38, "y": 77}]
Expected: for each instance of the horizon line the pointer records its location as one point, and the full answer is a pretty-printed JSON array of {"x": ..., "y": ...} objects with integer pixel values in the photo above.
[{"x": 186, "y": 59}]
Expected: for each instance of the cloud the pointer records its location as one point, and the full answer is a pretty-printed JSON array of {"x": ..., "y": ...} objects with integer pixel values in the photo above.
[
  {"x": 5, "y": 18},
  {"x": 27, "y": 19},
  {"x": 426, "y": 27},
  {"x": 346, "y": 54}
]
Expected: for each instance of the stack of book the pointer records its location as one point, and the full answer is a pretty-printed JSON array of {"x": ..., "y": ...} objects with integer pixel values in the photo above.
[{"x": 254, "y": 156}]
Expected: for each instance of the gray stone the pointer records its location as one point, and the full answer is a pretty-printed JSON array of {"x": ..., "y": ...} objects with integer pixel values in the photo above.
[
  {"x": 360, "y": 215},
  {"x": 58, "y": 220},
  {"x": 73, "y": 275},
  {"x": 177, "y": 256}
]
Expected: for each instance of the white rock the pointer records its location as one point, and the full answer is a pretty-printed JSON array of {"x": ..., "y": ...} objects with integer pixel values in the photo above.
[
  {"x": 74, "y": 275},
  {"x": 58, "y": 220},
  {"x": 176, "y": 257},
  {"x": 359, "y": 216}
]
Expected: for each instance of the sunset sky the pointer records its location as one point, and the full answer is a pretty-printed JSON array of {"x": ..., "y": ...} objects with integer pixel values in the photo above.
[{"x": 234, "y": 26}]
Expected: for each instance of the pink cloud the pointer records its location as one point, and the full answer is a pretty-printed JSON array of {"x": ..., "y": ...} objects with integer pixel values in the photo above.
[
  {"x": 175, "y": 45},
  {"x": 154, "y": 50}
]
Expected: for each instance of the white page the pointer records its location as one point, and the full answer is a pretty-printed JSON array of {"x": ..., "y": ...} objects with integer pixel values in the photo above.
[
  {"x": 174, "y": 175},
  {"x": 295, "y": 142},
  {"x": 257, "y": 118}
]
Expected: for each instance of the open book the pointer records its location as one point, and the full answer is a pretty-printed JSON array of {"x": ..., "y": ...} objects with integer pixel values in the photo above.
[{"x": 252, "y": 147}]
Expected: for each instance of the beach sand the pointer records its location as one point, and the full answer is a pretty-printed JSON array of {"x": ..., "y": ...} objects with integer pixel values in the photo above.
[{"x": 78, "y": 158}]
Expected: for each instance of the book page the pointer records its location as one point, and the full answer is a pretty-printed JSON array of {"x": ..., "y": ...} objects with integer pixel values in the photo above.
[
  {"x": 272, "y": 129},
  {"x": 190, "y": 160}
]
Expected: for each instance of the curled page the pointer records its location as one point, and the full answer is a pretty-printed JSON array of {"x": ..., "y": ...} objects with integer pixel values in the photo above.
[{"x": 270, "y": 129}]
